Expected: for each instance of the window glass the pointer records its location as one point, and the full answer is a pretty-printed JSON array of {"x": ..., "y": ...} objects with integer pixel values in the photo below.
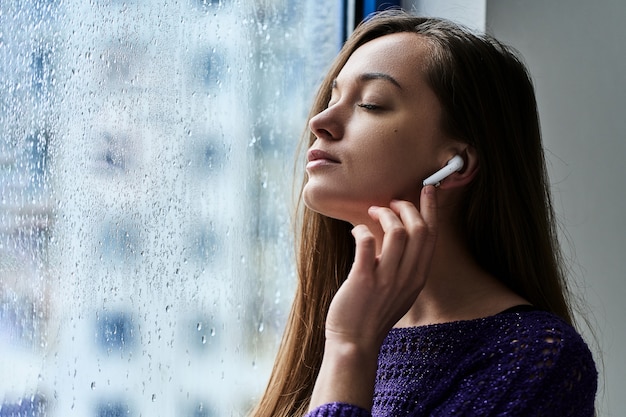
[{"x": 146, "y": 165}]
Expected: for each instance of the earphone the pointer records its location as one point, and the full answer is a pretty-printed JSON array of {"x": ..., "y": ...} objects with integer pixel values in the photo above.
[{"x": 453, "y": 165}]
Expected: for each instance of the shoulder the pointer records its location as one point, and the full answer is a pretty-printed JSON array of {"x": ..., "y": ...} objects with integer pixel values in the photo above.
[
  {"x": 538, "y": 339},
  {"x": 538, "y": 330},
  {"x": 549, "y": 355}
]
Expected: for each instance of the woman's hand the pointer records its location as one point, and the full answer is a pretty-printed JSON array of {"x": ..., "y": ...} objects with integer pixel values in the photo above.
[{"x": 379, "y": 290}]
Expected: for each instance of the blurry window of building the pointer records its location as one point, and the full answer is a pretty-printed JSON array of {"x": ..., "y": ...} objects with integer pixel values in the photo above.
[{"x": 146, "y": 164}]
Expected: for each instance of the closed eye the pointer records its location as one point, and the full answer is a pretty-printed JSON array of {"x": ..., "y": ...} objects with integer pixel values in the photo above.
[{"x": 368, "y": 106}]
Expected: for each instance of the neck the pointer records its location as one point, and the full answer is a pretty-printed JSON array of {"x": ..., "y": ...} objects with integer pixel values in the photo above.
[{"x": 457, "y": 287}]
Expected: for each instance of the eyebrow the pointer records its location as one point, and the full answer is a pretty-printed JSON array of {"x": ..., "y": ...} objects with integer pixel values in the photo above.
[{"x": 370, "y": 76}]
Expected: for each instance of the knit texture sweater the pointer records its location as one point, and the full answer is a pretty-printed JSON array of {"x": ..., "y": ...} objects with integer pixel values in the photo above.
[{"x": 516, "y": 363}]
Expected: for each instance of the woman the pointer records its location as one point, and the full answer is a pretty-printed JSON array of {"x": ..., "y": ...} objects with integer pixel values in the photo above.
[{"x": 423, "y": 301}]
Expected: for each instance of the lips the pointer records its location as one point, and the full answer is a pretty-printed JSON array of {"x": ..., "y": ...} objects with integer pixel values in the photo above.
[
  {"x": 318, "y": 159},
  {"x": 320, "y": 155}
]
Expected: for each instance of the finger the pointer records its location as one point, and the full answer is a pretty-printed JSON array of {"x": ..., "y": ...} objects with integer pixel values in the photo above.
[
  {"x": 365, "y": 251},
  {"x": 408, "y": 214},
  {"x": 428, "y": 211},
  {"x": 428, "y": 207},
  {"x": 417, "y": 236},
  {"x": 394, "y": 239},
  {"x": 417, "y": 223}
]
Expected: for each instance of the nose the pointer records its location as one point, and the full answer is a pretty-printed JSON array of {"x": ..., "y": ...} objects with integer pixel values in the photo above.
[{"x": 327, "y": 124}]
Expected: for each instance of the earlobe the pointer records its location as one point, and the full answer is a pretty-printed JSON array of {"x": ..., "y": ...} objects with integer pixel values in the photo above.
[{"x": 466, "y": 174}]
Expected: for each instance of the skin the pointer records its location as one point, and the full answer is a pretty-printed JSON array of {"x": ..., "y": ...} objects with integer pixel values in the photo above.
[{"x": 366, "y": 165}]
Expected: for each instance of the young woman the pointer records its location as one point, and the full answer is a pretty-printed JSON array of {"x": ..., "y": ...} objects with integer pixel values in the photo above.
[{"x": 419, "y": 300}]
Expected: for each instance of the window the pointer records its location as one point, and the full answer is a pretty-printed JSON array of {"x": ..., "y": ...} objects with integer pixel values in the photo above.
[{"x": 146, "y": 159}]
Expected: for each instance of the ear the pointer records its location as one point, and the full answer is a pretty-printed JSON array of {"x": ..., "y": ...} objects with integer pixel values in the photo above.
[{"x": 467, "y": 173}]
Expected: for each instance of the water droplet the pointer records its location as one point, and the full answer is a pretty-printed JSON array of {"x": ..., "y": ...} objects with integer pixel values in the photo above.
[
  {"x": 199, "y": 326},
  {"x": 93, "y": 385},
  {"x": 153, "y": 397},
  {"x": 204, "y": 340},
  {"x": 261, "y": 327}
]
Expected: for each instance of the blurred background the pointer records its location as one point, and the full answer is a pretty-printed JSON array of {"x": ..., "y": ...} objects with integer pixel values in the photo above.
[
  {"x": 146, "y": 157},
  {"x": 147, "y": 151}
]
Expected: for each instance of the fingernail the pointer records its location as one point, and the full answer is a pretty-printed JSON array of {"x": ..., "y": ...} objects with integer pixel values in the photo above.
[{"x": 429, "y": 189}]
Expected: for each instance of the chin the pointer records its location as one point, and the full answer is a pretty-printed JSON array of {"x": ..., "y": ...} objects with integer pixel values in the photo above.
[
  {"x": 316, "y": 204},
  {"x": 336, "y": 209}
]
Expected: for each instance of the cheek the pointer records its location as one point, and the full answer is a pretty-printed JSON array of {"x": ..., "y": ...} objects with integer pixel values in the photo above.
[
  {"x": 400, "y": 150},
  {"x": 389, "y": 171}
]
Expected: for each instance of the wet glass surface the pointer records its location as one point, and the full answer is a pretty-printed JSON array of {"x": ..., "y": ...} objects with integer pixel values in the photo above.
[{"x": 146, "y": 158}]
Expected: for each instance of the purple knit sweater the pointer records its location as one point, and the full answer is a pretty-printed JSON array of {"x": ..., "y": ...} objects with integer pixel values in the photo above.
[{"x": 516, "y": 363}]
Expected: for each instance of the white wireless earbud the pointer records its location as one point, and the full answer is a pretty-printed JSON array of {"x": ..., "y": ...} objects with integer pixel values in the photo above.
[{"x": 453, "y": 165}]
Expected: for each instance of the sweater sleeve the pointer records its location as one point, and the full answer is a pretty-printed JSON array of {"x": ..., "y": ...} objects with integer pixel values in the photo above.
[
  {"x": 338, "y": 410},
  {"x": 549, "y": 371}
]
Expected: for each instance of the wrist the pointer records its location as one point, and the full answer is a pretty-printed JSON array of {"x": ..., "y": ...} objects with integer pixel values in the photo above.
[
  {"x": 351, "y": 353},
  {"x": 347, "y": 374}
]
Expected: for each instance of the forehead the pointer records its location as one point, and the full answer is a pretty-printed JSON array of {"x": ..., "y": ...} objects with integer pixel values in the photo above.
[{"x": 400, "y": 55}]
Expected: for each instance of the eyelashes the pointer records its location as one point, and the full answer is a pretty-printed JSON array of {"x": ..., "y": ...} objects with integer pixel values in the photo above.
[
  {"x": 364, "y": 106},
  {"x": 369, "y": 106}
]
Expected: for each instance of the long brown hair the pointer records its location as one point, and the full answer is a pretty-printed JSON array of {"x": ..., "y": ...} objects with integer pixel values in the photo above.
[{"x": 488, "y": 101}]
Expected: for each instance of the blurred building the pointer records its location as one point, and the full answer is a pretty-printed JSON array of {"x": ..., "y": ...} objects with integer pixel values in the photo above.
[{"x": 145, "y": 168}]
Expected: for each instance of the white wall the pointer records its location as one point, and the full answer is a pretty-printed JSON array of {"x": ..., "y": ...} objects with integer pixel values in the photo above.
[
  {"x": 470, "y": 13},
  {"x": 576, "y": 53}
]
